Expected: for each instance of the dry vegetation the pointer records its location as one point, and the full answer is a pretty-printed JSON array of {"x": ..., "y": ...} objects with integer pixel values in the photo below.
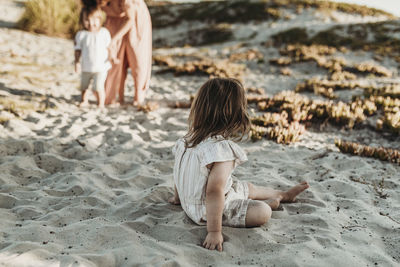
[
  {"x": 285, "y": 116},
  {"x": 378, "y": 99},
  {"x": 323, "y": 55},
  {"x": 13, "y": 107},
  {"x": 386, "y": 154},
  {"x": 55, "y": 18},
  {"x": 287, "y": 111},
  {"x": 200, "y": 65},
  {"x": 248, "y": 55}
]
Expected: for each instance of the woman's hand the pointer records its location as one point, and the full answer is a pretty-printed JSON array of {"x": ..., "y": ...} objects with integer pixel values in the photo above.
[
  {"x": 213, "y": 241},
  {"x": 113, "y": 51}
]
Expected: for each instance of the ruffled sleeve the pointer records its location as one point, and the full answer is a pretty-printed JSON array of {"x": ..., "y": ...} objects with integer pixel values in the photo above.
[
  {"x": 220, "y": 151},
  {"x": 107, "y": 36},
  {"x": 78, "y": 40},
  {"x": 178, "y": 145}
]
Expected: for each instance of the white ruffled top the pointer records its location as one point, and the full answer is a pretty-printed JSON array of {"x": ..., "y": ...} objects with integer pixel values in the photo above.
[{"x": 191, "y": 172}]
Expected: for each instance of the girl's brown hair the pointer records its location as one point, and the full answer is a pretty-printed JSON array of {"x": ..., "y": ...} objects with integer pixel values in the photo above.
[
  {"x": 87, "y": 11},
  {"x": 219, "y": 108}
]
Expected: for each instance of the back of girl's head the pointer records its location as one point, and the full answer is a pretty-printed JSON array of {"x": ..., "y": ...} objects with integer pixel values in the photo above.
[{"x": 219, "y": 108}]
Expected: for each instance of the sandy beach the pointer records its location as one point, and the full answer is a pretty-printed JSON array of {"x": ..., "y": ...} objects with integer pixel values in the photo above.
[{"x": 89, "y": 187}]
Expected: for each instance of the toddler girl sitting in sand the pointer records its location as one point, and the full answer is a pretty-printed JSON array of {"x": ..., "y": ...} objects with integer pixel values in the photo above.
[
  {"x": 92, "y": 43},
  {"x": 206, "y": 157}
]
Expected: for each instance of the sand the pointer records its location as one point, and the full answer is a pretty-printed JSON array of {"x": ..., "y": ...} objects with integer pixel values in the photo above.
[{"x": 88, "y": 187}]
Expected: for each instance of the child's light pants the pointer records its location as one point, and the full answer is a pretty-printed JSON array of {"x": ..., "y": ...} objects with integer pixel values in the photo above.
[{"x": 99, "y": 79}]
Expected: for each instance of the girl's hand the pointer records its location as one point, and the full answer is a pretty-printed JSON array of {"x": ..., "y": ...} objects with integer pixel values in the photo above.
[
  {"x": 213, "y": 241},
  {"x": 113, "y": 44},
  {"x": 174, "y": 201}
]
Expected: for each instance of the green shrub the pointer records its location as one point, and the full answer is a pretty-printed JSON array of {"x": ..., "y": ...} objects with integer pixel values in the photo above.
[{"x": 51, "y": 17}]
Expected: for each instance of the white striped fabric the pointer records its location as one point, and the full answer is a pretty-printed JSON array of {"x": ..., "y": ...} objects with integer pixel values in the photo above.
[{"x": 191, "y": 172}]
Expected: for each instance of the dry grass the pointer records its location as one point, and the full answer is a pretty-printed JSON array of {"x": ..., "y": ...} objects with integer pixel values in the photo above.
[
  {"x": 50, "y": 17},
  {"x": 21, "y": 107},
  {"x": 16, "y": 107}
]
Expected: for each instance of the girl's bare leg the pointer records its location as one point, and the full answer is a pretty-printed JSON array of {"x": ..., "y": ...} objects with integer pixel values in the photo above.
[
  {"x": 100, "y": 96},
  {"x": 258, "y": 213},
  {"x": 276, "y": 196},
  {"x": 84, "y": 99},
  {"x": 121, "y": 90}
]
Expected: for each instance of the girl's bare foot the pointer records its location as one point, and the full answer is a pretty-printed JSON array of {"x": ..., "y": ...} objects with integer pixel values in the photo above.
[
  {"x": 291, "y": 194},
  {"x": 83, "y": 104},
  {"x": 274, "y": 203}
]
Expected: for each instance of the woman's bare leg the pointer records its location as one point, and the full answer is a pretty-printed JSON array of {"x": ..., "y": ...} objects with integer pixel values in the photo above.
[
  {"x": 140, "y": 64},
  {"x": 116, "y": 76},
  {"x": 121, "y": 87}
]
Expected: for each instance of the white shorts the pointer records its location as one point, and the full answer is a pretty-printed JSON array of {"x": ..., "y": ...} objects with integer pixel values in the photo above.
[
  {"x": 99, "y": 79},
  {"x": 236, "y": 204}
]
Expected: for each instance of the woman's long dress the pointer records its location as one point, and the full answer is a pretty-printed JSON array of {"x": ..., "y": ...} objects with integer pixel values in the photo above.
[{"x": 134, "y": 51}]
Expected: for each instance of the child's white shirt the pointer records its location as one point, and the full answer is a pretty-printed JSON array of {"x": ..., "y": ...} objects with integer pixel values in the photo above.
[
  {"x": 93, "y": 46},
  {"x": 191, "y": 172}
]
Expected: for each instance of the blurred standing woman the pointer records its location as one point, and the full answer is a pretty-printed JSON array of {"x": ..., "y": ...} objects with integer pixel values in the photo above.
[{"x": 129, "y": 23}]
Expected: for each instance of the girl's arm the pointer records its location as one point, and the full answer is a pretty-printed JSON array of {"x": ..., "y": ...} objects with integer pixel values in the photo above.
[
  {"x": 175, "y": 199},
  {"x": 215, "y": 200},
  {"x": 77, "y": 60}
]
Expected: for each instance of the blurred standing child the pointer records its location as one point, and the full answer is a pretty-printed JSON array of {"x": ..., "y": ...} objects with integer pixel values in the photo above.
[
  {"x": 206, "y": 157},
  {"x": 91, "y": 47}
]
